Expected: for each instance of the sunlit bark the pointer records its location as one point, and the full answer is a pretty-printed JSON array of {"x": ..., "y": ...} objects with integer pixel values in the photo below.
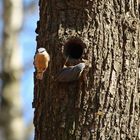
[{"x": 105, "y": 104}]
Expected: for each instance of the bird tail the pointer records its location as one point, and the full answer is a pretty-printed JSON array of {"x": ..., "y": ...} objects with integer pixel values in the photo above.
[{"x": 39, "y": 75}]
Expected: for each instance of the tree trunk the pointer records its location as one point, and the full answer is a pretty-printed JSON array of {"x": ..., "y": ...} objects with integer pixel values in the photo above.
[
  {"x": 11, "y": 119},
  {"x": 104, "y": 103}
]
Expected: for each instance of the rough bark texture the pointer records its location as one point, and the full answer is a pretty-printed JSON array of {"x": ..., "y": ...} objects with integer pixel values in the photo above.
[
  {"x": 11, "y": 120},
  {"x": 105, "y": 103}
]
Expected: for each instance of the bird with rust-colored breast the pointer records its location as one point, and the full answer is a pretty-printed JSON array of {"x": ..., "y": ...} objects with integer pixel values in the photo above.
[{"x": 41, "y": 62}]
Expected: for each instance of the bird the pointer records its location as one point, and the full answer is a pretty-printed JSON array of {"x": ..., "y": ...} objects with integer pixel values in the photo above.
[
  {"x": 41, "y": 62},
  {"x": 70, "y": 73}
]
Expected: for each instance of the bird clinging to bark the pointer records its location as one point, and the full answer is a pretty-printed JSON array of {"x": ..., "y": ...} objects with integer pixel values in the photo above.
[
  {"x": 41, "y": 61},
  {"x": 70, "y": 73}
]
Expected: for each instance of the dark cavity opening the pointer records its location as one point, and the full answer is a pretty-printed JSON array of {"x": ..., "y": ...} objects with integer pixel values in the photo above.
[{"x": 74, "y": 48}]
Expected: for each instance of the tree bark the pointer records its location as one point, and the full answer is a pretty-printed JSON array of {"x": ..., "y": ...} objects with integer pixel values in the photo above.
[
  {"x": 11, "y": 120},
  {"x": 104, "y": 103}
]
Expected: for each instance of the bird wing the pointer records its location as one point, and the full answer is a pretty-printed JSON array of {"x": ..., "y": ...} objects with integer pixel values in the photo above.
[{"x": 71, "y": 73}]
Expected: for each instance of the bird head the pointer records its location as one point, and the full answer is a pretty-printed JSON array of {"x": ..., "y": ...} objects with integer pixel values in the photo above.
[{"x": 41, "y": 50}]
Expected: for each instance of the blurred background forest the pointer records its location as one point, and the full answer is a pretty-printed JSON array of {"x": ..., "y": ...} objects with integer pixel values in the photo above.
[{"x": 17, "y": 47}]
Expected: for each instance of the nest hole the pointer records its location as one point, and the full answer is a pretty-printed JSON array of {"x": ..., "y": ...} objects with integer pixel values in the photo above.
[{"x": 74, "y": 48}]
